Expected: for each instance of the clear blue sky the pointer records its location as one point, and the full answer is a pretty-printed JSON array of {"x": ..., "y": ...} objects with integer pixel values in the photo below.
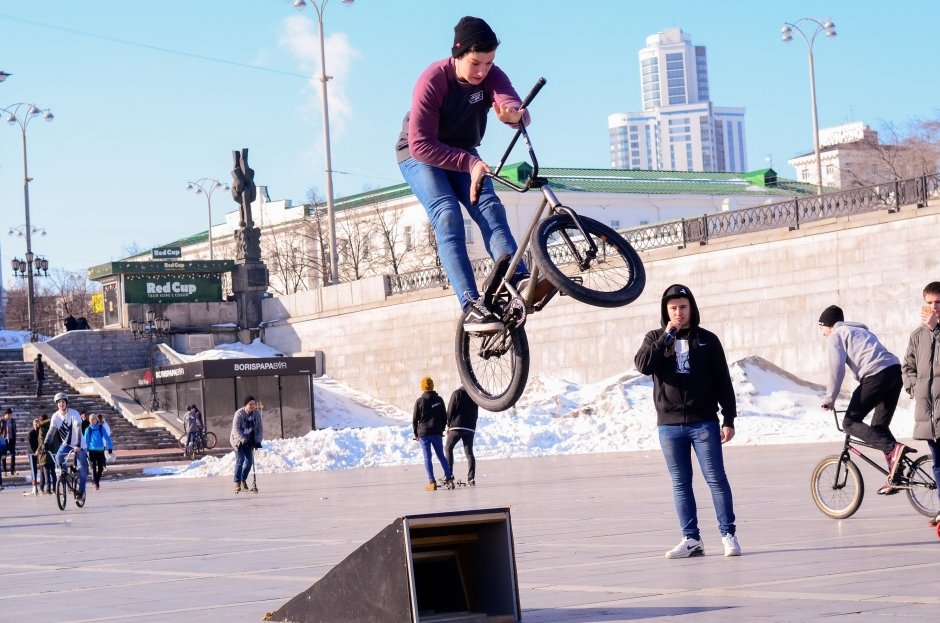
[{"x": 149, "y": 95}]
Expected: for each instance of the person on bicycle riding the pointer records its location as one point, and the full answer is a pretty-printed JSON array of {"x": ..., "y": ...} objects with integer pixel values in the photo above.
[
  {"x": 921, "y": 375},
  {"x": 690, "y": 381},
  {"x": 246, "y": 436},
  {"x": 67, "y": 425},
  {"x": 192, "y": 426},
  {"x": 437, "y": 155},
  {"x": 878, "y": 373},
  {"x": 97, "y": 439}
]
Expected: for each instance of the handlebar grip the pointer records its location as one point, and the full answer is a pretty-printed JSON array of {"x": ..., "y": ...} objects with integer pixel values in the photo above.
[{"x": 535, "y": 91}]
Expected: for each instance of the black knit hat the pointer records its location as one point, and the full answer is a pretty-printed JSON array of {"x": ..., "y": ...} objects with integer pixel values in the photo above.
[
  {"x": 473, "y": 33},
  {"x": 830, "y": 316}
]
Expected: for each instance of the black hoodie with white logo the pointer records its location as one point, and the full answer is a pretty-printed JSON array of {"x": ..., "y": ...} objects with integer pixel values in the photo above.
[{"x": 690, "y": 373}]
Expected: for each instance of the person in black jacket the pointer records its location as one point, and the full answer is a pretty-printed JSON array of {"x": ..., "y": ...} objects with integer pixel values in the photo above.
[
  {"x": 690, "y": 380},
  {"x": 428, "y": 425},
  {"x": 461, "y": 426},
  {"x": 39, "y": 374}
]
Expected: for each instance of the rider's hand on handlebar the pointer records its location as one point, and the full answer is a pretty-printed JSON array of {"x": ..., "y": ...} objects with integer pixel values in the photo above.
[
  {"x": 477, "y": 175},
  {"x": 826, "y": 406},
  {"x": 509, "y": 114}
]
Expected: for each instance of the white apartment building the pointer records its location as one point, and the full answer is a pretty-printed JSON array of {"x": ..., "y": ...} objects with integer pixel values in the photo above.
[{"x": 679, "y": 129}]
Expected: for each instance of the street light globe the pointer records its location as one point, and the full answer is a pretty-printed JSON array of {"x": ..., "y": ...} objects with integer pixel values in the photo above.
[
  {"x": 786, "y": 33},
  {"x": 299, "y": 4},
  {"x": 48, "y": 116}
]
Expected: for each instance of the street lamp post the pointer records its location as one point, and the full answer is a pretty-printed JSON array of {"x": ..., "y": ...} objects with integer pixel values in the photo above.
[
  {"x": 206, "y": 186},
  {"x": 14, "y": 117},
  {"x": 787, "y": 35},
  {"x": 152, "y": 329},
  {"x": 331, "y": 216}
]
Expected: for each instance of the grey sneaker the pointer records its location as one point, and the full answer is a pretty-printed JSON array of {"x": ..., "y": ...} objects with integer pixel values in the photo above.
[
  {"x": 479, "y": 319},
  {"x": 732, "y": 547},
  {"x": 687, "y": 548}
]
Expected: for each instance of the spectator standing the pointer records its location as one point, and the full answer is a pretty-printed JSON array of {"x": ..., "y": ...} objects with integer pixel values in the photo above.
[
  {"x": 462, "y": 415},
  {"x": 430, "y": 417},
  {"x": 921, "y": 376},
  {"x": 192, "y": 426},
  {"x": 39, "y": 374},
  {"x": 83, "y": 413},
  {"x": 47, "y": 475},
  {"x": 246, "y": 436},
  {"x": 8, "y": 428},
  {"x": 690, "y": 381},
  {"x": 97, "y": 440},
  {"x": 32, "y": 440}
]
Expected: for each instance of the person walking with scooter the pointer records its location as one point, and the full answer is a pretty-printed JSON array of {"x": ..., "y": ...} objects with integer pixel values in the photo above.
[{"x": 247, "y": 433}]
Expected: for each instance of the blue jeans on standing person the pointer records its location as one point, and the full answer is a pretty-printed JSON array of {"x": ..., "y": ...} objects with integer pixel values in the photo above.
[
  {"x": 60, "y": 456},
  {"x": 244, "y": 459},
  {"x": 436, "y": 442},
  {"x": 442, "y": 192},
  {"x": 678, "y": 441}
]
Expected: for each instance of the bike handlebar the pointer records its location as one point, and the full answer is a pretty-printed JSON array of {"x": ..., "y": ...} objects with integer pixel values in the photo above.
[{"x": 520, "y": 131}]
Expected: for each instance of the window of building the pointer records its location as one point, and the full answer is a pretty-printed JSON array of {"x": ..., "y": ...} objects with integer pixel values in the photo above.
[
  {"x": 409, "y": 238},
  {"x": 468, "y": 230}
]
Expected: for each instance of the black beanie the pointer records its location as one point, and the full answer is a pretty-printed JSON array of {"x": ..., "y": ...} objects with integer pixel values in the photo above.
[
  {"x": 830, "y": 316},
  {"x": 470, "y": 32}
]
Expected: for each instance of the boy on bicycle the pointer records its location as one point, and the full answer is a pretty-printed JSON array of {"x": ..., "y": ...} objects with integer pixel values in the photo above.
[
  {"x": 67, "y": 424},
  {"x": 192, "y": 426},
  {"x": 437, "y": 155},
  {"x": 879, "y": 386}
]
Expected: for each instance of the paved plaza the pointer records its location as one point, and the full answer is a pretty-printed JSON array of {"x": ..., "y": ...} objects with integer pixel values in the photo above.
[{"x": 589, "y": 534}]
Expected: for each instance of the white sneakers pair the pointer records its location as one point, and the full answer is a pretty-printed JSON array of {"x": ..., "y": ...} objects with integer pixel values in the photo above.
[{"x": 688, "y": 547}]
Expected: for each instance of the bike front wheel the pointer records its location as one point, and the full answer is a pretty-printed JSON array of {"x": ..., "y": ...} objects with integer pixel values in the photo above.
[
  {"x": 493, "y": 367},
  {"x": 211, "y": 440},
  {"x": 610, "y": 276},
  {"x": 61, "y": 492},
  {"x": 838, "y": 488},
  {"x": 922, "y": 493}
]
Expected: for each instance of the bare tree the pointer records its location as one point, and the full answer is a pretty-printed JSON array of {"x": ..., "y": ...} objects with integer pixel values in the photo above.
[
  {"x": 354, "y": 247},
  {"x": 287, "y": 254},
  {"x": 403, "y": 246},
  {"x": 899, "y": 152}
]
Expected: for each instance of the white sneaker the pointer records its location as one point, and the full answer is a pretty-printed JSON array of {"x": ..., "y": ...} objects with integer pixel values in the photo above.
[
  {"x": 687, "y": 548},
  {"x": 732, "y": 547}
]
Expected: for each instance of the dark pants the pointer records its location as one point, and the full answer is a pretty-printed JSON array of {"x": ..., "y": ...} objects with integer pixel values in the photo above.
[
  {"x": 466, "y": 436},
  {"x": 39, "y": 388},
  {"x": 97, "y": 464},
  {"x": 880, "y": 392},
  {"x": 934, "y": 446},
  {"x": 50, "y": 476},
  {"x": 11, "y": 453}
]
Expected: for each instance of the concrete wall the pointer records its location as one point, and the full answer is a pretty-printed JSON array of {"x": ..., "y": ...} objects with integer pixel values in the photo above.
[{"x": 761, "y": 293}]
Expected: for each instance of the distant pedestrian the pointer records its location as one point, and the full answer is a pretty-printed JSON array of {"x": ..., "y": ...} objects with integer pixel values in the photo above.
[
  {"x": 192, "y": 426},
  {"x": 39, "y": 374},
  {"x": 83, "y": 413},
  {"x": 461, "y": 426},
  {"x": 8, "y": 432},
  {"x": 97, "y": 440},
  {"x": 247, "y": 434},
  {"x": 32, "y": 440},
  {"x": 47, "y": 475},
  {"x": 430, "y": 417},
  {"x": 690, "y": 381}
]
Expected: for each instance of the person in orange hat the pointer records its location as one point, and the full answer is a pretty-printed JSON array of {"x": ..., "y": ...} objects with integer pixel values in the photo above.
[{"x": 430, "y": 417}]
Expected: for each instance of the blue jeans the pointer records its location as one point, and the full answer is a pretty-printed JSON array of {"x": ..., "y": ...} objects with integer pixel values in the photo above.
[
  {"x": 678, "y": 441},
  {"x": 436, "y": 442},
  {"x": 244, "y": 459},
  {"x": 442, "y": 192},
  {"x": 63, "y": 452}
]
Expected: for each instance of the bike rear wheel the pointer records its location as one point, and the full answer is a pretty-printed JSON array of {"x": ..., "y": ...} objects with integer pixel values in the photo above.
[
  {"x": 61, "y": 492},
  {"x": 838, "y": 488},
  {"x": 923, "y": 488},
  {"x": 493, "y": 367},
  {"x": 211, "y": 440},
  {"x": 613, "y": 277}
]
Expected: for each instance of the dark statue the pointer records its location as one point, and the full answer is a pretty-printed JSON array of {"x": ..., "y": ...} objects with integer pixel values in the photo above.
[{"x": 244, "y": 191}]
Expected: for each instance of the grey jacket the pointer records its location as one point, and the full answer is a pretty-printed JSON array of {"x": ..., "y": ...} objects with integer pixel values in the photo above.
[
  {"x": 246, "y": 428},
  {"x": 852, "y": 344},
  {"x": 921, "y": 373}
]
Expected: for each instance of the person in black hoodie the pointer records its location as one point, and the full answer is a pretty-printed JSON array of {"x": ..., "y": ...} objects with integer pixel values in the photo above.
[
  {"x": 690, "y": 381},
  {"x": 428, "y": 422},
  {"x": 461, "y": 425}
]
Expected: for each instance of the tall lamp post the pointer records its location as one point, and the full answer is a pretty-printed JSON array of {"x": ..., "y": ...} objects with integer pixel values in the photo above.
[
  {"x": 152, "y": 330},
  {"x": 331, "y": 217},
  {"x": 786, "y": 34},
  {"x": 21, "y": 114},
  {"x": 206, "y": 186}
]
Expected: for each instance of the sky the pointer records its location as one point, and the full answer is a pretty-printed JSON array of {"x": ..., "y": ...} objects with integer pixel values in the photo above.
[{"x": 148, "y": 96}]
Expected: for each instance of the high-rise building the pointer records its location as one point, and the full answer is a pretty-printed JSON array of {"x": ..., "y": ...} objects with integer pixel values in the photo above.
[{"x": 679, "y": 129}]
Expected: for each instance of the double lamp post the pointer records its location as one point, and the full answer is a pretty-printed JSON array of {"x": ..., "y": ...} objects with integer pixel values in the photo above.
[{"x": 153, "y": 330}]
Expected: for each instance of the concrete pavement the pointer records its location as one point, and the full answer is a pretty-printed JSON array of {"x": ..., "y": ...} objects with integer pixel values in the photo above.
[{"x": 589, "y": 532}]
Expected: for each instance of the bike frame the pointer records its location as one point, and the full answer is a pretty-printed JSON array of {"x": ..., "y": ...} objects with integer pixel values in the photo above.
[{"x": 851, "y": 446}]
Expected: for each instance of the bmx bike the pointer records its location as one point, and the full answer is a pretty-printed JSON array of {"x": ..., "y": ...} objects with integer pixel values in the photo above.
[
  {"x": 202, "y": 441},
  {"x": 838, "y": 487},
  {"x": 69, "y": 483},
  {"x": 571, "y": 254}
]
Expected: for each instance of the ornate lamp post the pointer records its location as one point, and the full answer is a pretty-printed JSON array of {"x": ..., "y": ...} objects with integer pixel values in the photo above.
[
  {"x": 787, "y": 35},
  {"x": 152, "y": 330},
  {"x": 319, "y": 8},
  {"x": 21, "y": 114},
  {"x": 206, "y": 186}
]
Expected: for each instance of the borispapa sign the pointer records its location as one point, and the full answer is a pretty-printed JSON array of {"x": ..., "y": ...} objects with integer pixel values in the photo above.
[{"x": 172, "y": 288}]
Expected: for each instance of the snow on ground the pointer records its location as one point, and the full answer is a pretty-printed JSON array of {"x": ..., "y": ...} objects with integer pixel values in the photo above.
[{"x": 553, "y": 417}]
